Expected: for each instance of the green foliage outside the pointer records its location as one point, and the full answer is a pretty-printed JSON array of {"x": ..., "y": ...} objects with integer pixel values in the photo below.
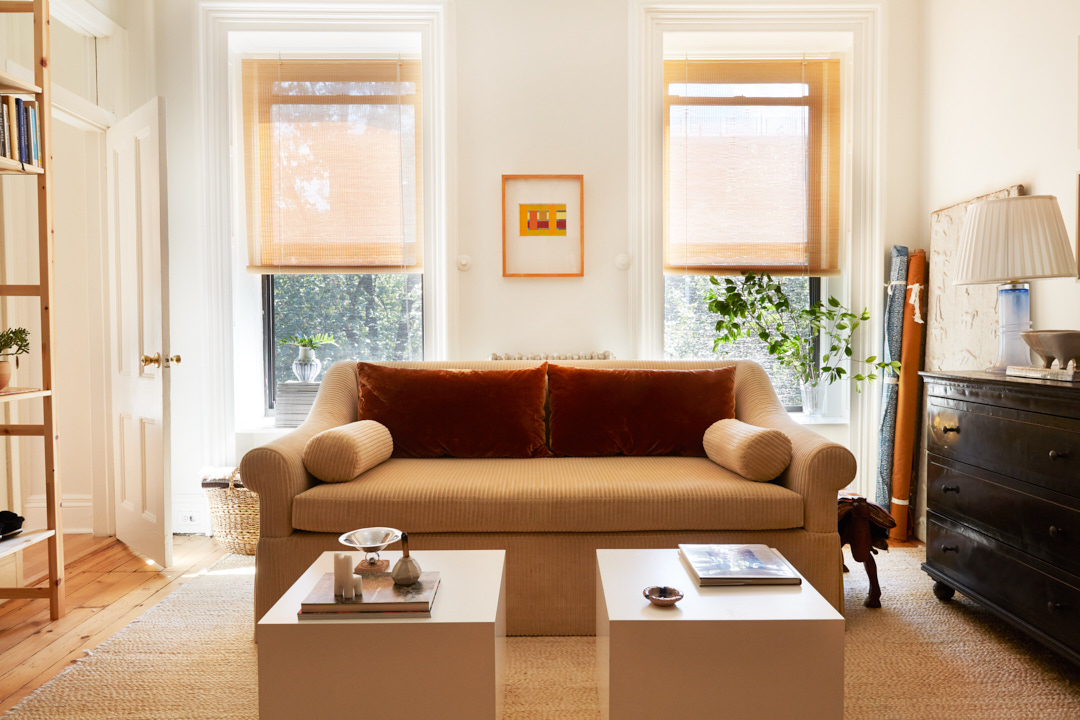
[
  {"x": 690, "y": 329},
  {"x": 377, "y": 317}
]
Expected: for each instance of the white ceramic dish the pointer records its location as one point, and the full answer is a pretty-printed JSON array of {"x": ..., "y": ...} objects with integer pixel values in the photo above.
[{"x": 1051, "y": 345}]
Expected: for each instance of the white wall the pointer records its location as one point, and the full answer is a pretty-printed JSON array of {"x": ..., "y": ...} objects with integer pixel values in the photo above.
[
  {"x": 1001, "y": 108},
  {"x": 540, "y": 88},
  {"x": 542, "y": 92}
]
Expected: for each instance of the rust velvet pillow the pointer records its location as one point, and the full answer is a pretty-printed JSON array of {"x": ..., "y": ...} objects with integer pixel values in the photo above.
[
  {"x": 635, "y": 412},
  {"x": 457, "y": 413}
]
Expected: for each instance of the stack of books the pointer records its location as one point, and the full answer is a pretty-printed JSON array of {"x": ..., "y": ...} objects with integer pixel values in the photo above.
[
  {"x": 19, "y": 136},
  {"x": 293, "y": 402},
  {"x": 738, "y": 565},
  {"x": 381, "y": 598}
]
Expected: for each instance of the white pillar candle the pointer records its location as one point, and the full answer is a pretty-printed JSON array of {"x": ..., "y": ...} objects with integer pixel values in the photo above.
[{"x": 342, "y": 574}]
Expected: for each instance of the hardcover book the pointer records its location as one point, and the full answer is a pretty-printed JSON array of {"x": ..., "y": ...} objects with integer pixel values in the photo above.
[
  {"x": 380, "y": 595},
  {"x": 738, "y": 565}
]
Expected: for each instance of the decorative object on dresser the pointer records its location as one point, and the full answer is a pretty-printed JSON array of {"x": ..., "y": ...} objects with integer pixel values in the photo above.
[
  {"x": 543, "y": 219},
  {"x": 1003, "y": 494},
  {"x": 1006, "y": 242},
  {"x": 1050, "y": 345}
]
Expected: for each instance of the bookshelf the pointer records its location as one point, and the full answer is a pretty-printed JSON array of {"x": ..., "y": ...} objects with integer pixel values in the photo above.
[{"x": 41, "y": 93}]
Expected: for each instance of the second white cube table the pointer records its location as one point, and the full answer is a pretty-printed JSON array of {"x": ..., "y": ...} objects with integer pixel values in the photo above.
[
  {"x": 447, "y": 666},
  {"x": 749, "y": 652}
]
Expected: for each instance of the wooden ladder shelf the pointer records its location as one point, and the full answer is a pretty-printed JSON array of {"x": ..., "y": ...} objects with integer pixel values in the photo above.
[{"x": 41, "y": 91}]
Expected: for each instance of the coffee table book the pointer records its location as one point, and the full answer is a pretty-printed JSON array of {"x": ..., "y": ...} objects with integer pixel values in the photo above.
[
  {"x": 737, "y": 565},
  {"x": 380, "y": 597}
]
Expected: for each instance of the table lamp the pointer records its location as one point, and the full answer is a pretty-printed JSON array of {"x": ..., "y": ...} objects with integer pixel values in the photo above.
[{"x": 1007, "y": 241}]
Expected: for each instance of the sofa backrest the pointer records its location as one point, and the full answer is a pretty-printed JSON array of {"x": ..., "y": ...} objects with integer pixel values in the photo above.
[{"x": 755, "y": 397}]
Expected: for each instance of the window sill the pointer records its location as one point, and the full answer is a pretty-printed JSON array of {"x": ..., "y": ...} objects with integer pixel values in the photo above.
[{"x": 804, "y": 419}]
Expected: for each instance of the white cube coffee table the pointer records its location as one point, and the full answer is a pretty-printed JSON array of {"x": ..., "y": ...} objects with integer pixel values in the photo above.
[
  {"x": 747, "y": 652},
  {"x": 446, "y": 666}
]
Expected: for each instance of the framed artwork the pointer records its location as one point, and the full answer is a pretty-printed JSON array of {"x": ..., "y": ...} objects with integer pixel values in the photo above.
[{"x": 543, "y": 219}]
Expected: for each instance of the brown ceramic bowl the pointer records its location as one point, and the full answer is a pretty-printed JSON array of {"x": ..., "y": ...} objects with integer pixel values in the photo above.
[
  {"x": 1050, "y": 345},
  {"x": 662, "y": 596}
]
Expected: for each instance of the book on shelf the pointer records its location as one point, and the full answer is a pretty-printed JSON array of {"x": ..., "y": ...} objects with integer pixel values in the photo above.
[
  {"x": 381, "y": 598},
  {"x": 738, "y": 565},
  {"x": 3, "y": 128},
  {"x": 12, "y": 127}
]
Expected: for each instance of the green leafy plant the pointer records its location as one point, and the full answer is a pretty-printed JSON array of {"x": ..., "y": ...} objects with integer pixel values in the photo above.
[
  {"x": 14, "y": 341},
  {"x": 756, "y": 306},
  {"x": 309, "y": 341}
]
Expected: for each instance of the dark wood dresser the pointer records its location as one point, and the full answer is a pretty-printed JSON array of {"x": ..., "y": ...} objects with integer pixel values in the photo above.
[{"x": 1003, "y": 499}]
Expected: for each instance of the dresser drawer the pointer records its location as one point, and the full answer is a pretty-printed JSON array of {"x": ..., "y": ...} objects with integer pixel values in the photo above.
[
  {"x": 1006, "y": 578},
  {"x": 996, "y": 506},
  {"x": 1039, "y": 449}
]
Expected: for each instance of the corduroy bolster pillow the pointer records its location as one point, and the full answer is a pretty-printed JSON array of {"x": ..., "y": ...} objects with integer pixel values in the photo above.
[
  {"x": 757, "y": 453},
  {"x": 457, "y": 413},
  {"x": 340, "y": 454},
  {"x": 596, "y": 412}
]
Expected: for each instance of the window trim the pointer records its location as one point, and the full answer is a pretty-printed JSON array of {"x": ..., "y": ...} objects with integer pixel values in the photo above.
[
  {"x": 231, "y": 298},
  {"x": 862, "y": 246}
]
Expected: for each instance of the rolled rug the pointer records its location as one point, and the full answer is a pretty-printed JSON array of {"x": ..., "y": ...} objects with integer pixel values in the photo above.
[
  {"x": 908, "y": 398},
  {"x": 894, "y": 332}
]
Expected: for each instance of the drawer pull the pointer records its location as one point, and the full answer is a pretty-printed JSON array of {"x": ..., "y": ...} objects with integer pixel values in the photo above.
[
  {"x": 951, "y": 429},
  {"x": 1055, "y": 531},
  {"x": 1055, "y": 455},
  {"x": 950, "y": 548},
  {"x": 951, "y": 488},
  {"x": 1054, "y": 607}
]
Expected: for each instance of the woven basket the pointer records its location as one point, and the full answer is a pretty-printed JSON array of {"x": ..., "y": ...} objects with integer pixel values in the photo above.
[{"x": 234, "y": 517}]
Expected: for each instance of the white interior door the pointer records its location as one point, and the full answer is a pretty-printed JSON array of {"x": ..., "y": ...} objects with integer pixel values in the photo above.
[{"x": 139, "y": 330}]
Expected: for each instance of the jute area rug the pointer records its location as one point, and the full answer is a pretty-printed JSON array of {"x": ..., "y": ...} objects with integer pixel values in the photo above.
[{"x": 192, "y": 656}]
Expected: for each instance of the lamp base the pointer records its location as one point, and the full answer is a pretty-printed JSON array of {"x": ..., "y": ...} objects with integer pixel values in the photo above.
[{"x": 1014, "y": 317}]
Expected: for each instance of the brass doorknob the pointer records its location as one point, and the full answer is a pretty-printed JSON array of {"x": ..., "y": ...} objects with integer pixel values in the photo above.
[
  {"x": 148, "y": 360},
  {"x": 174, "y": 359}
]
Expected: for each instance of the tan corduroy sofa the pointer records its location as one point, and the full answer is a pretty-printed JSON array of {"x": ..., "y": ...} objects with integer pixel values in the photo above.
[{"x": 550, "y": 514}]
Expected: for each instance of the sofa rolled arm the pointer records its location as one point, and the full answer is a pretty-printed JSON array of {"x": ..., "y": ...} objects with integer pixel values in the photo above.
[
  {"x": 819, "y": 468},
  {"x": 276, "y": 471}
]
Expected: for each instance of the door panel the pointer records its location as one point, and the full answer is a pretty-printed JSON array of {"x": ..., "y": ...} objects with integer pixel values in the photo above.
[{"x": 138, "y": 247}]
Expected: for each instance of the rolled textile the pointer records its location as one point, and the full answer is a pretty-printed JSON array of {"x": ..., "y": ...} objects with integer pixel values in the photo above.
[
  {"x": 908, "y": 398},
  {"x": 894, "y": 332}
]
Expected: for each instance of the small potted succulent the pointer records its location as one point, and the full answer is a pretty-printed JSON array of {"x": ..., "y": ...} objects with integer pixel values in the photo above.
[
  {"x": 306, "y": 366},
  {"x": 13, "y": 342}
]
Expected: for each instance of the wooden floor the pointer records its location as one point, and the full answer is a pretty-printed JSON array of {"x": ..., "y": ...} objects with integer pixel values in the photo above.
[{"x": 108, "y": 586}]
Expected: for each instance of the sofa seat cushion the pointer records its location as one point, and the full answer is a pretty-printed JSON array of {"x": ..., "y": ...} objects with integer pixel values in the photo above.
[{"x": 605, "y": 494}]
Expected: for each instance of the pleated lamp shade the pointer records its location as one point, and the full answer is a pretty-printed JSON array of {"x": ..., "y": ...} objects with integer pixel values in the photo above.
[{"x": 1014, "y": 239}]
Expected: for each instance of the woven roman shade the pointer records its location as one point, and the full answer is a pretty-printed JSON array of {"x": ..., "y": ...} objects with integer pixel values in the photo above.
[
  {"x": 333, "y": 166},
  {"x": 752, "y": 166}
]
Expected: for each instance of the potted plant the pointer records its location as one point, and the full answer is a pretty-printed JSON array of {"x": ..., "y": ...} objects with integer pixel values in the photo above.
[
  {"x": 757, "y": 307},
  {"x": 306, "y": 366},
  {"x": 13, "y": 342}
]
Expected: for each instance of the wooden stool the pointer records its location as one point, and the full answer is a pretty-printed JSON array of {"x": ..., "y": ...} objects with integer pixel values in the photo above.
[{"x": 865, "y": 527}]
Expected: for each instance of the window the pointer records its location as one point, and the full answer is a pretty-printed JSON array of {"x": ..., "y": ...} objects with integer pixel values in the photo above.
[
  {"x": 752, "y": 153},
  {"x": 334, "y": 181},
  {"x": 375, "y": 316}
]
